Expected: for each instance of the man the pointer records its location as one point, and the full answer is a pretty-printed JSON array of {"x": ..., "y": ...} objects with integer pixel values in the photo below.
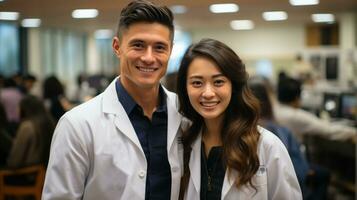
[
  {"x": 301, "y": 122},
  {"x": 123, "y": 144}
]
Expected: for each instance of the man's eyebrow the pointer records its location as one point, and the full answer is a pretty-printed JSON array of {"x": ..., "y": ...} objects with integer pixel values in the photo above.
[{"x": 136, "y": 41}]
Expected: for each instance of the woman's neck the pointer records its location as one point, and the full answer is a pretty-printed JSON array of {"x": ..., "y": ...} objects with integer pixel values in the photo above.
[{"x": 211, "y": 135}]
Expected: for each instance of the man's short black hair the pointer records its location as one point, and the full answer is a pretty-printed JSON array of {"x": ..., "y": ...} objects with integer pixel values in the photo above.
[
  {"x": 145, "y": 11},
  {"x": 289, "y": 89}
]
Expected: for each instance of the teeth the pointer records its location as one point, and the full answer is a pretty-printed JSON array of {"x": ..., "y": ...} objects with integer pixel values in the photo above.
[
  {"x": 209, "y": 104},
  {"x": 146, "y": 69}
]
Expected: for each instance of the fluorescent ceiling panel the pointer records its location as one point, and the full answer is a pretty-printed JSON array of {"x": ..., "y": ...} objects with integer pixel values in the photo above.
[
  {"x": 325, "y": 17},
  {"x": 242, "y": 24},
  {"x": 303, "y": 2},
  {"x": 275, "y": 16},
  {"x": 224, "y": 8},
  {"x": 9, "y": 15},
  {"x": 31, "y": 22},
  {"x": 85, "y": 13}
]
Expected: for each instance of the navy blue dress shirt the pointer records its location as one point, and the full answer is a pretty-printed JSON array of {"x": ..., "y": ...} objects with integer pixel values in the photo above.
[{"x": 152, "y": 135}]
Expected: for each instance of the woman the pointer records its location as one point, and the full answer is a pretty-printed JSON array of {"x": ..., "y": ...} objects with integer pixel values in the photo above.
[
  {"x": 53, "y": 93},
  {"x": 223, "y": 144},
  {"x": 33, "y": 138}
]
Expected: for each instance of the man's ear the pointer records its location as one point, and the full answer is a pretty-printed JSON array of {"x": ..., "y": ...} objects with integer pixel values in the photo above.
[{"x": 116, "y": 46}]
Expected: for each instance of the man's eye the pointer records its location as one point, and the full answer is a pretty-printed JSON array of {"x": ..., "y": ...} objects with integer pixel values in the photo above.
[
  {"x": 160, "y": 48},
  {"x": 138, "y": 45}
]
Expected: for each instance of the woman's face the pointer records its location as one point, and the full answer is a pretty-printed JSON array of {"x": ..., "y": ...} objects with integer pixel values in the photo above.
[{"x": 208, "y": 89}]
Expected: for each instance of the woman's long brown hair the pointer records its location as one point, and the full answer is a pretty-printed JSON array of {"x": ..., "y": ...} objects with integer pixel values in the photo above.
[{"x": 239, "y": 135}]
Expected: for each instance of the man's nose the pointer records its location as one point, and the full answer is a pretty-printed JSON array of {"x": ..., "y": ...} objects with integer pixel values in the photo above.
[{"x": 148, "y": 56}]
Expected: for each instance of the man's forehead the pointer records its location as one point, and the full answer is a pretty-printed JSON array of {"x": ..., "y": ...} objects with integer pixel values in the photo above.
[
  {"x": 145, "y": 27},
  {"x": 146, "y": 32}
]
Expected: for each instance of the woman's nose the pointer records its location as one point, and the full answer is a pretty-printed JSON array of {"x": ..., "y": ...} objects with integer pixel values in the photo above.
[{"x": 208, "y": 91}]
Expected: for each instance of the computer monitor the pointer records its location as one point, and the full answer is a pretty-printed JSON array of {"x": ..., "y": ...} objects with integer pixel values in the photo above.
[
  {"x": 349, "y": 106},
  {"x": 331, "y": 68},
  {"x": 331, "y": 104}
]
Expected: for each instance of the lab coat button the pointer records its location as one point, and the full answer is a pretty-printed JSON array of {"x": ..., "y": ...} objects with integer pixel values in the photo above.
[
  {"x": 142, "y": 174},
  {"x": 174, "y": 169}
]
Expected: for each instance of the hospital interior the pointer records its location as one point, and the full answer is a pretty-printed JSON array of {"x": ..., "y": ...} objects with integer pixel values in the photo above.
[{"x": 63, "y": 56}]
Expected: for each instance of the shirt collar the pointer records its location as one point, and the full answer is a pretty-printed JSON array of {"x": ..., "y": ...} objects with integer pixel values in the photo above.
[{"x": 129, "y": 103}]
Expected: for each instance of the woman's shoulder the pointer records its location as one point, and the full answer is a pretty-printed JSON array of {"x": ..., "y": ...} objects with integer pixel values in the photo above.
[{"x": 269, "y": 140}]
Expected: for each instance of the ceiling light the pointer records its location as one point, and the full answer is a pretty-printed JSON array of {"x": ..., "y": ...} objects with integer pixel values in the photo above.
[
  {"x": 103, "y": 34},
  {"x": 9, "y": 15},
  {"x": 242, "y": 24},
  {"x": 303, "y": 2},
  {"x": 275, "y": 16},
  {"x": 85, "y": 13},
  {"x": 224, "y": 8},
  {"x": 178, "y": 9},
  {"x": 323, "y": 17},
  {"x": 31, "y": 22}
]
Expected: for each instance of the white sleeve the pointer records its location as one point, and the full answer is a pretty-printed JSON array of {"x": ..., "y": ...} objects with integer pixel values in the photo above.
[
  {"x": 282, "y": 180},
  {"x": 311, "y": 124},
  {"x": 68, "y": 165}
]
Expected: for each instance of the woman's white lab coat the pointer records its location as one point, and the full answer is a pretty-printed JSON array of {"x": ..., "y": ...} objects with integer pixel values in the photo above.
[
  {"x": 96, "y": 154},
  {"x": 274, "y": 180}
]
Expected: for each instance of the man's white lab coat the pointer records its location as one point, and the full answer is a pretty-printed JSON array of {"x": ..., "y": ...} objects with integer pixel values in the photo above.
[{"x": 96, "y": 154}]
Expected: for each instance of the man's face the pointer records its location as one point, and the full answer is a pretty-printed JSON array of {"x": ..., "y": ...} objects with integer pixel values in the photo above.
[{"x": 144, "y": 52}]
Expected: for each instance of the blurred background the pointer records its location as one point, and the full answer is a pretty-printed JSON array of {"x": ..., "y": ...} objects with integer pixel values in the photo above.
[{"x": 55, "y": 49}]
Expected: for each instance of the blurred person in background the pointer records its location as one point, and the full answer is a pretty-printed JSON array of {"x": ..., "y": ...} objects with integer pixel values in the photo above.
[
  {"x": 301, "y": 122},
  {"x": 84, "y": 90},
  {"x": 5, "y": 137},
  {"x": 28, "y": 82},
  {"x": 2, "y": 79},
  {"x": 302, "y": 69},
  {"x": 33, "y": 138},
  {"x": 305, "y": 172},
  {"x": 10, "y": 97},
  {"x": 54, "y": 96}
]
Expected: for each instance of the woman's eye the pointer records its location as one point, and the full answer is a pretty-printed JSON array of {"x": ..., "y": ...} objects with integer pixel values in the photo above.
[
  {"x": 196, "y": 83},
  {"x": 219, "y": 82}
]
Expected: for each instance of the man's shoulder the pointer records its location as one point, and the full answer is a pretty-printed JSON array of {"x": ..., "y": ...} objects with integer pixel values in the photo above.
[
  {"x": 172, "y": 97},
  {"x": 86, "y": 109},
  {"x": 169, "y": 94}
]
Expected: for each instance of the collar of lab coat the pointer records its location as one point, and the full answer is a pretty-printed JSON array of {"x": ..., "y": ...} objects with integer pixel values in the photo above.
[
  {"x": 111, "y": 105},
  {"x": 229, "y": 178}
]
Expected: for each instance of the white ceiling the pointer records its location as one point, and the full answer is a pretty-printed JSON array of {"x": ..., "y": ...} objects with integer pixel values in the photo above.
[{"x": 57, "y": 13}]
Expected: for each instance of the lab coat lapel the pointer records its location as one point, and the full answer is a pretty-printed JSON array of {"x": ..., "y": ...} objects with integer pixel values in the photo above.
[
  {"x": 243, "y": 192},
  {"x": 228, "y": 182},
  {"x": 195, "y": 164},
  {"x": 111, "y": 105},
  {"x": 174, "y": 118}
]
